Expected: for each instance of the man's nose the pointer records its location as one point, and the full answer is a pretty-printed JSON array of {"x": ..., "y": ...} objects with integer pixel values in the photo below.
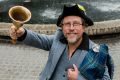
[{"x": 72, "y": 27}]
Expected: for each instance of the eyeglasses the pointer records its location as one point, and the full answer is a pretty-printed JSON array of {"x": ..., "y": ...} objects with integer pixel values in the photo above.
[{"x": 75, "y": 25}]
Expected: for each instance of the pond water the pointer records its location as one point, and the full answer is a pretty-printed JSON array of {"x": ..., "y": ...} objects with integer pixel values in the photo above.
[{"x": 47, "y": 11}]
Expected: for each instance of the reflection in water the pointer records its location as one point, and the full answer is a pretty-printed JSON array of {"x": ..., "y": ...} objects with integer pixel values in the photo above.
[
  {"x": 50, "y": 13},
  {"x": 44, "y": 11},
  {"x": 106, "y": 6}
]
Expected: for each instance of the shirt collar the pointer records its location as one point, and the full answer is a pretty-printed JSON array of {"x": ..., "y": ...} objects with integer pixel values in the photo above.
[{"x": 84, "y": 44}]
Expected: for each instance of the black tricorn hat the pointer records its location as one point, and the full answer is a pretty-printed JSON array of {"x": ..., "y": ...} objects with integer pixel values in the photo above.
[{"x": 76, "y": 10}]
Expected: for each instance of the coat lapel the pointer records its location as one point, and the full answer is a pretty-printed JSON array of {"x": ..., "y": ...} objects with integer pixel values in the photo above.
[{"x": 57, "y": 52}]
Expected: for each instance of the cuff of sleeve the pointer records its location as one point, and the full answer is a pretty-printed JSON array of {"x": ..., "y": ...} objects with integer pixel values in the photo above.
[{"x": 23, "y": 36}]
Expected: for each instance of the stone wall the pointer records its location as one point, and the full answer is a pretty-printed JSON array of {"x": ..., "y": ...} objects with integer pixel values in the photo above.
[{"x": 100, "y": 28}]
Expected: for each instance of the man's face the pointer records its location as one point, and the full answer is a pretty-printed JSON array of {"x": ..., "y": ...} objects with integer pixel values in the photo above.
[{"x": 73, "y": 28}]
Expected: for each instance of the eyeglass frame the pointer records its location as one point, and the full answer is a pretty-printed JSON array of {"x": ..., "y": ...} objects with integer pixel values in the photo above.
[
  {"x": 83, "y": 23},
  {"x": 74, "y": 24}
]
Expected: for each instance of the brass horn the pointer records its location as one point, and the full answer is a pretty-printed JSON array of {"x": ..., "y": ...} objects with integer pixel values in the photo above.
[{"x": 19, "y": 16}]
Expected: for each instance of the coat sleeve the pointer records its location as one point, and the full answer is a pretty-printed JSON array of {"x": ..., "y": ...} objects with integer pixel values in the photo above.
[{"x": 41, "y": 41}]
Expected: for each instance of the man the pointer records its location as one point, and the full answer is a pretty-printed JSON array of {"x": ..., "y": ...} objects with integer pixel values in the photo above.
[{"x": 72, "y": 56}]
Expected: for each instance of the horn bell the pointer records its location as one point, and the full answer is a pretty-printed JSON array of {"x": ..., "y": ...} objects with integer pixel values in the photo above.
[{"x": 19, "y": 15}]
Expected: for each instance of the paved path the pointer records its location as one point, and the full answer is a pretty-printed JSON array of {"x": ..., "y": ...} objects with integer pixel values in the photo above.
[{"x": 20, "y": 62}]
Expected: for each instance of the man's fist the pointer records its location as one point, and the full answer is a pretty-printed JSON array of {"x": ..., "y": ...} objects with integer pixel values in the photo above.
[
  {"x": 15, "y": 33},
  {"x": 73, "y": 73}
]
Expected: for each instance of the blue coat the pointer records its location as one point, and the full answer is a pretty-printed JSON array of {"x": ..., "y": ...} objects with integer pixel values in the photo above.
[{"x": 92, "y": 67}]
